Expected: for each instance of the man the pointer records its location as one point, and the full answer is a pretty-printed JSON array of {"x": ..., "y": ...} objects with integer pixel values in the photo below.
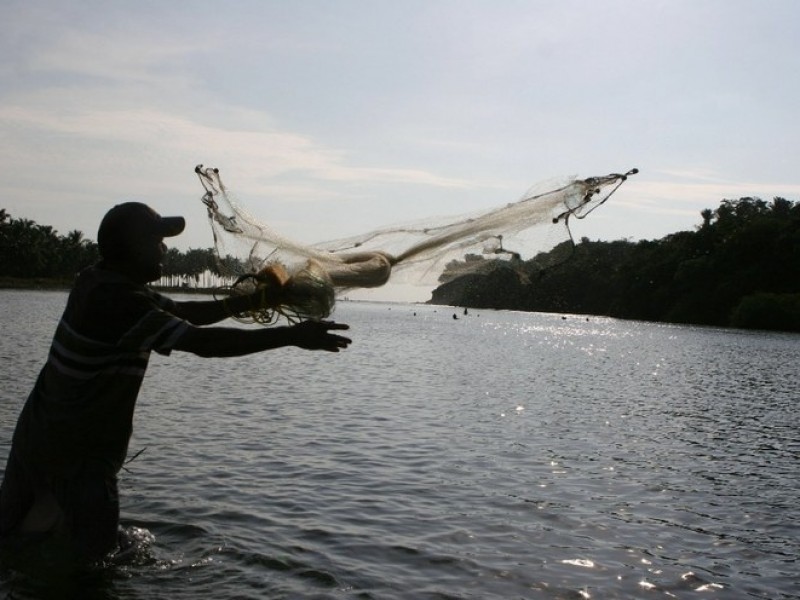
[{"x": 72, "y": 435}]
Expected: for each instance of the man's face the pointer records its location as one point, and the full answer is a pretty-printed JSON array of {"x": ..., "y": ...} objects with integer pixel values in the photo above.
[{"x": 146, "y": 259}]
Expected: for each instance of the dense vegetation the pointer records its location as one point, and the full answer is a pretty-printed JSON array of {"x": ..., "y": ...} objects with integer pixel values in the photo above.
[
  {"x": 740, "y": 267},
  {"x": 29, "y": 251}
]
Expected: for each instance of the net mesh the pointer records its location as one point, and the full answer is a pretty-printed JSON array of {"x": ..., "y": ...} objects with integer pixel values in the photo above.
[{"x": 304, "y": 279}]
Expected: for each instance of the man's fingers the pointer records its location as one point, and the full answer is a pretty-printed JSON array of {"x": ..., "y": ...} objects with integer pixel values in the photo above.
[
  {"x": 315, "y": 335},
  {"x": 343, "y": 341},
  {"x": 333, "y": 325},
  {"x": 340, "y": 341}
]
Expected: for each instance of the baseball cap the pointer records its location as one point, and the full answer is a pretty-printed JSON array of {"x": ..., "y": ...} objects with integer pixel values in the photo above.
[{"x": 129, "y": 221}]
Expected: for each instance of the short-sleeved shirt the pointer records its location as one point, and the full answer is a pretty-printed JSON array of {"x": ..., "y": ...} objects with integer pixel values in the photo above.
[{"x": 81, "y": 408}]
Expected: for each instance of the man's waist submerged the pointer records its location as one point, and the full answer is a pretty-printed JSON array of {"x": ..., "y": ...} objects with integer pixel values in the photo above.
[
  {"x": 63, "y": 447},
  {"x": 63, "y": 462}
]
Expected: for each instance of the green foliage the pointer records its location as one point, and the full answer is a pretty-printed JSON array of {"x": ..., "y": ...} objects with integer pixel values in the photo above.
[
  {"x": 740, "y": 267},
  {"x": 740, "y": 263},
  {"x": 29, "y": 250},
  {"x": 768, "y": 311},
  {"x": 189, "y": 264}
]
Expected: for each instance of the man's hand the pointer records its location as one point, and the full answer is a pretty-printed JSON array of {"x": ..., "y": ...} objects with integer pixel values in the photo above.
[{"x": 315, "y": 335}]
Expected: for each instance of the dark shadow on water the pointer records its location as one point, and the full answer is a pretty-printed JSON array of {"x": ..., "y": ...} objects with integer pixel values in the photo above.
[
  {"x": 40, "y": 582},
  {"x": 45, "y": 570}
]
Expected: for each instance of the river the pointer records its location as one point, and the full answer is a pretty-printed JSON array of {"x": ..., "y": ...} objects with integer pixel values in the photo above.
[{"x": 494, "y": 455}]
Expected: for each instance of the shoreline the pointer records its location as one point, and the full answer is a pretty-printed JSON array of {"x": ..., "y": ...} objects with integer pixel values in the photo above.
[
  {"x": 65, "y": 285},
  {"x": 35, "y": 283}
]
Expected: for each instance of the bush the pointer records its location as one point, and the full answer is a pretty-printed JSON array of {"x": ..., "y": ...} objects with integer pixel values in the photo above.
[{"x": 780, "y": 312}]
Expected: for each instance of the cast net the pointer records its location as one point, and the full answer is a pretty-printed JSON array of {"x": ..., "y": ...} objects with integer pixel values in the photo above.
[{"x": 301, "y": 281}]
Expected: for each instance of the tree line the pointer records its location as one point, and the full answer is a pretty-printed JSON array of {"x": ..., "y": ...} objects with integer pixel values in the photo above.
[
  {"x": 740, "y": 268},
  {"x": 29, "y": 250}
]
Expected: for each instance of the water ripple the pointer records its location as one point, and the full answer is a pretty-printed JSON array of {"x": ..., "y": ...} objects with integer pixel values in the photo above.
[{"x": 502, "y": 455}]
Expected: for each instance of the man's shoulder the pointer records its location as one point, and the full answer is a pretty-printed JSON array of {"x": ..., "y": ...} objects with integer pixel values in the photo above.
[
  {"x": 102, "y": 285},
  {"x": 95, "y": 278},
  {"x": 104, "y": 304}
]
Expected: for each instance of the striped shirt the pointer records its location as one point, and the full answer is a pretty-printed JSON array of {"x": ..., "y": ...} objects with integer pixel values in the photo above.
[{"x": 81, "y": 408}]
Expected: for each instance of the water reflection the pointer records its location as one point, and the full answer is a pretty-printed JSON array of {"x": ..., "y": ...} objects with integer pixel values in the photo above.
[{"x": 500, "y": 455}]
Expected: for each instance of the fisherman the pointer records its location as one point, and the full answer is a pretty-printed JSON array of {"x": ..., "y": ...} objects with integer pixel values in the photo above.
[{"x": 72, "y": 435}]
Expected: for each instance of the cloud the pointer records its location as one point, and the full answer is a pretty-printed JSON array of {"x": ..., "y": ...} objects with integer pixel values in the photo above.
[
  {"x": 261, "y": 153},
  {"x": 360, "y": 116}
]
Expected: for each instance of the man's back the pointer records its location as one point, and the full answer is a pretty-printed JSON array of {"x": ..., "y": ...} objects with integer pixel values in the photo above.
[{"x": 81, "y": 408}]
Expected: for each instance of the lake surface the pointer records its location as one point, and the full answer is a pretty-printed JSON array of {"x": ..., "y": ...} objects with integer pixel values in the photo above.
[{"x": 497, "y": 455}]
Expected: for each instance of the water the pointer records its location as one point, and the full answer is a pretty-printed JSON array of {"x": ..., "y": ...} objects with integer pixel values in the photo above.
[{"x": 499, "y": 455}]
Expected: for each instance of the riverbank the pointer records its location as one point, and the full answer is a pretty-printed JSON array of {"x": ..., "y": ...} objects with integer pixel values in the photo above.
[
  {"x": 35, "y": 283},
  {"x": 65, "y": 284}
]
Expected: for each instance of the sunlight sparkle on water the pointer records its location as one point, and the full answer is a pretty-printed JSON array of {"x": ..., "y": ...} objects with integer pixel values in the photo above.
[
  {"x": 646, "y": 584},
  {"x": 579, "y": 562}
]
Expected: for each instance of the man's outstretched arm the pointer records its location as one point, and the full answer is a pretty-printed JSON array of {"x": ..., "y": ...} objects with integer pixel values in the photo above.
[
  {"x": 208, "y": 312},
  {"x": 230, "y": 341}
]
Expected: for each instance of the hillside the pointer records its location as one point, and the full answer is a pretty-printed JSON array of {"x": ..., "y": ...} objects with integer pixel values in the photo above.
[{"x": 739, "y": 268}]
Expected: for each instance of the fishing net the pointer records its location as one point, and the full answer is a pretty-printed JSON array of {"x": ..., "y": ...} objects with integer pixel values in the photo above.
[{"x": 300, "y": 281}]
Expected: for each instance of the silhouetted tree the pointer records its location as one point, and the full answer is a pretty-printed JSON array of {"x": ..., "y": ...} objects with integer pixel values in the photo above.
[{"x": 743, "y": 257}]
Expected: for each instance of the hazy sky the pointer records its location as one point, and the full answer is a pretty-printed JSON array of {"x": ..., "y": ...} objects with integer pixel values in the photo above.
[{"x": 329, "y": 118}]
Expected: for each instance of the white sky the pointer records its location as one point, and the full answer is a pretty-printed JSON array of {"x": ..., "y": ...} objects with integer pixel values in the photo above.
[{"x": 329, "y": 118}]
